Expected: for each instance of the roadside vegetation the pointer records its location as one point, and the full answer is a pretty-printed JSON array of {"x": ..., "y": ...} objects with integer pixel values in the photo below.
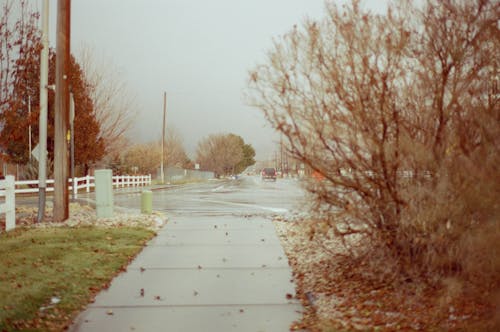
[
  {"x": 400, "y": 115},
  {"x": 48, "y": 275},
  {"x": 224, "y": 154}
]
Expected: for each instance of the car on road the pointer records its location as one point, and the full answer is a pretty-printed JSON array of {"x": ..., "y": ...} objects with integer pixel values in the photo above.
[{"x": 268, "y": 173}]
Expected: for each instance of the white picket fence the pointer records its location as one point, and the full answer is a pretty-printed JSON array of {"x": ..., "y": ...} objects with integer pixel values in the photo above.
[
  {"x": 8, "y": 207},
  {"x": 9, "y": 188},
  {"x": 86, "y": 182}
]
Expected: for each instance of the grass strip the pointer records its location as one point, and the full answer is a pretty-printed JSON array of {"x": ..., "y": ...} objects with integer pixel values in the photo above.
[{"x": 39, "y": 267}]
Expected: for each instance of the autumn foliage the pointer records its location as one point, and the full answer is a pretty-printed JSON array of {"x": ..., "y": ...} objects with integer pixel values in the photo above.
[
  {"x": 224, "y": 154},
  {"x": 400, "y": 115},
  {"x": 20, "y": 76}
]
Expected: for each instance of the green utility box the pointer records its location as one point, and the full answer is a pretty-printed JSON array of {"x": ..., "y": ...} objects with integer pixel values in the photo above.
[
  {"x": 147, "y": 202},
  {"x": 104, "y": 193}
]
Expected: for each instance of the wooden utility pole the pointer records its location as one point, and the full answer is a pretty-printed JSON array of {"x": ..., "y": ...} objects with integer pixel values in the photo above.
[
  {"x": 61, "y": 199},
  {"x": 163, "y": 137}
]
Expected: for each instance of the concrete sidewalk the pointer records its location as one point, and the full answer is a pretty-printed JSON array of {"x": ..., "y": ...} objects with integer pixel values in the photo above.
[{"x": 215, "y": 273}]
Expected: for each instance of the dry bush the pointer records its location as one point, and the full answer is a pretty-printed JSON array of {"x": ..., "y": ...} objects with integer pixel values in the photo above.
[
  {"x": 399, "y": 113},
  {"x": 220, "y": 153}
]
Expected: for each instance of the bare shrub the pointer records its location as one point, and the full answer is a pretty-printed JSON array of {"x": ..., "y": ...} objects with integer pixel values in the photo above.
[
  {"x": 114, "y": 106},
  {"x": 400, "y": 115}
]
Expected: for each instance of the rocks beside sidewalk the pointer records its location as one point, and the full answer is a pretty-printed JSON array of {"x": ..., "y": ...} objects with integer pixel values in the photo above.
[{"x": 85, "y": 216}]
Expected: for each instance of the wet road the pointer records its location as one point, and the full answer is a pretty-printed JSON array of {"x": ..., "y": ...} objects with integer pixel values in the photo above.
[{"x": 244, "y": 197}]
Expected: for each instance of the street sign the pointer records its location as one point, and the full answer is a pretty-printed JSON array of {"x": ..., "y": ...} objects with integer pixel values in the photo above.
[{"x": 36, "y": 152}]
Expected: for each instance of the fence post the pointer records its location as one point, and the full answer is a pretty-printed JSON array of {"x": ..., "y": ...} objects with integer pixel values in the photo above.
[
  {"x": 87, "y": 182},
  {"x": 10, "y": 203},
  {"x": 75, "y": 188}
]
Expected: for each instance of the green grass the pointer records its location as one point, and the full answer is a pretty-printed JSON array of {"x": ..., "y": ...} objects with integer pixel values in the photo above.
[{"x": 71, "y": 264}]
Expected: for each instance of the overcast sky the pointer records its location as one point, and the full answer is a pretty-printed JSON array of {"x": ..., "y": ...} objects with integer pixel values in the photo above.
[{"x": 198, "y": 51}]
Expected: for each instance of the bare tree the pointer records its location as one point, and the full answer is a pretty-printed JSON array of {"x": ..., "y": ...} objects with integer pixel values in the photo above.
[
  {"x": 114, "y": 105},
  {"x": 395, "y": 111},
  {"x": 146, "y": 157},
  {"x": 220, "y": 153},
  {"x": 142, "y": 158},
  {"x": 175, "y": 153}
]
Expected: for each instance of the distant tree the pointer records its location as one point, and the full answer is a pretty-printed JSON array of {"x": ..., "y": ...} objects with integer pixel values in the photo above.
[
  {"x": 248, "y": 155},
  {"x": 114, "y": 106},
  {"x": 224, "y": 154},
  {"x": 145, "y": 158},
  {"x": 142, "y": 158},
  {"x": 175, "y": 154}
]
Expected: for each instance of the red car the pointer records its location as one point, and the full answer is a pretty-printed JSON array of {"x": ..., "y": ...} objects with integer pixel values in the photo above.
[{"x": 268, "y": 173}]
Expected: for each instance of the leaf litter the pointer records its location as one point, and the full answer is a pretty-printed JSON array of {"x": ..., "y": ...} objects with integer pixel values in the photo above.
[{"x": 337, "y": 295}]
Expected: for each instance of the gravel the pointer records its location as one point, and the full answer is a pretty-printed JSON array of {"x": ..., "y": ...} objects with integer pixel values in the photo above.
[{"x": 85, "y": 215}]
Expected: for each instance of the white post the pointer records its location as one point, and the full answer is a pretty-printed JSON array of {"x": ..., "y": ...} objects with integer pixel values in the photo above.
[
  {"x": 10, "y": 203},
  {"x": 87, "y": 182},
  {"x": 75, "y": 188}
]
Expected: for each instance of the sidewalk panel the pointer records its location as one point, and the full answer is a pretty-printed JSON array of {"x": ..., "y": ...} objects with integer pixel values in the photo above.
[
  {"x": 263, "y": 318},
  {"x": 236, "y": 256},
  {"x": 199, "y": 287},
  {"x": 171, "y": 237}
]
